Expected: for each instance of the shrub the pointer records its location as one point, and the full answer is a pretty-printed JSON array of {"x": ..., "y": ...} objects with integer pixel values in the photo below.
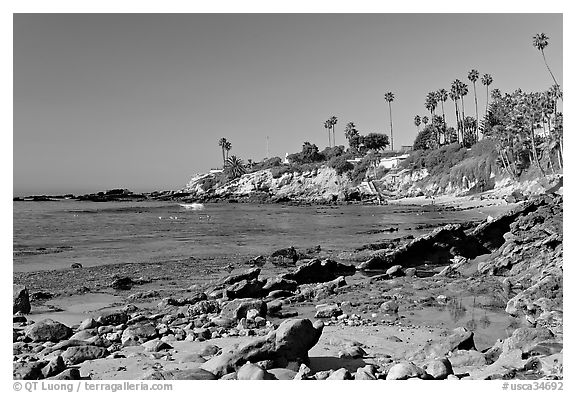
[
  {"x": 341, "y": 164},
  {"x": 278, "y": 171}
]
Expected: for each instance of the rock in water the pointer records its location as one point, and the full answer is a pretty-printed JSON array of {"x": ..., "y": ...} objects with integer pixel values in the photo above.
[
  {"x": 20, "y": 299},
  {"x": 404, "y": 370},
  {"x": 48, "y": 330}
]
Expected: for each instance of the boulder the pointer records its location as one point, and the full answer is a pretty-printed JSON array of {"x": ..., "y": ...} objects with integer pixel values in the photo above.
[
  {"x": 238, "y": 308},
  {"x": 317, "y": 271},
  {"x": 366, "y": 373},
  {"x": 404, "y": 370},
  {"x": 294, "y": 337},
  {"x": 188, "y": 374},
  {"x": 340, "y": 375},
  {"x": 395, "y": 271},
  {"x": 88, "y": 323},
  {"x": 279, "y": 284},
  {"x": 48, "y": 330},
  {"x": 439, "y": 368},
  {"x": 54, "y": 367},
  {"x": 77, "y": 355},
  {"x": 246, "y": 289},
  {"x": 525, "y": 339},
  {"x": 20, "y": 299},
  {"x": 329, "y": 311},
  {"x": 283, "y": 374},
  {"x": 28, "y": 370},
  {"x": 204, "y": 307},
  {"x": 437, "y": 247},
  {"x": 390, "y": 307},
  {"x": 289, "y": 343},
  {"x": 116, "y": 317},
  {"x": 248, "y": 275},
  {"x": 250, "y": 372},
  {"x": 123, "y": 283},
  {"x": 156, "y": 345},
  {"x": 461, "y": 338},
  {"x": 138, "y": 334},
  {"x": 70, "y": 374}
]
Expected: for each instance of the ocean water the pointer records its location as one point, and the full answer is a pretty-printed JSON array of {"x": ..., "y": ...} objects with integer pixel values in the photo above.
[{"x": 53, "y": 235}]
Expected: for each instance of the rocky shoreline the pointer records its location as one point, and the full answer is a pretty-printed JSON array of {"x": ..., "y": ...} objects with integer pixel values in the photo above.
[{"x": 298, "y": 314}]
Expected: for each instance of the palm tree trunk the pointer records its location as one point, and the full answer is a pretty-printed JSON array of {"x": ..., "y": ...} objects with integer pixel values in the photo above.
[
  {"x": 223, "y": 158},
  {"x": 550, "y": 71},
  {"x": 391, "y": 132},
  {"x": 532, "y": 139},
  {"x": 334, "y": 135},
  {"x": 476, "y": 104},
  {"x": 487, "y": 102},
  {"x": 457, "y": 122}
]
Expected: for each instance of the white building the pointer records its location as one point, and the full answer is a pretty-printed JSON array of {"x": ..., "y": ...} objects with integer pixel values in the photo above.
[{"x": 392, "y": 162}]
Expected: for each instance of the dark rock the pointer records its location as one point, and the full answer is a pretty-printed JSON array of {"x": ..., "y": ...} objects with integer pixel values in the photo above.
[
  {"x": 288, "y": 253},
  {"x": 41, "y": 295},
  {"x": 246, "y": 289},
  {"x": 115, "y": 317},
  {"x": 77, "y": 355},
  {"x": 124, "y": 283},
  {"x": 70, "y": 374},
  {"x": 20, "y": 299},
  {"x": 48, "y": 330},
  {"x": 317, "y": 271},
  {"x": 76, "y": 266},
  {"x": 437, "y": 247},
  {"x": 251, "y": 274}
]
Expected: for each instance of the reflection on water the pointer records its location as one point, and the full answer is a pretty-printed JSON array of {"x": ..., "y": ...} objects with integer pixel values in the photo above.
[{"x": 488, "y": 323}]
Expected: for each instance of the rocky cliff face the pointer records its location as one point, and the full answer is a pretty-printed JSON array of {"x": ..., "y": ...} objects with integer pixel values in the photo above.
[{"x": 322, "y": 184}]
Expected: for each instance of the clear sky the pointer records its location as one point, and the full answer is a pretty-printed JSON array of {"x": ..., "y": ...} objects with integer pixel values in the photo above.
[{"x": 140, "y": 100}]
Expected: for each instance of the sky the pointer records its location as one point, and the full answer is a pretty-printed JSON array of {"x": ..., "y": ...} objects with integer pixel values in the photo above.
[{"x": 139, "y": 101}]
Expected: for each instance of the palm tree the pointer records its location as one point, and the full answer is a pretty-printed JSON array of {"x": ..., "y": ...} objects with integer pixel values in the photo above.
[
  {"x": 417, "y": 122},
  {"x": 425, "y": 120},
  {"x": 455, "y": 96},
  {"x": 235, "y": 167},
  {"x": 390, "y": 97},
  {"x": 222, "y": 143},
  {"x": 328, "y": 125},
  {"x": 487, "y": 81},
  {"x": 540, "y": 41},
  {"x": 473, "y": 77},
  {"x": 227, "y": 147},
  {"x": 442, "y": 96},
  {"x": 333, "y": 121}
]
